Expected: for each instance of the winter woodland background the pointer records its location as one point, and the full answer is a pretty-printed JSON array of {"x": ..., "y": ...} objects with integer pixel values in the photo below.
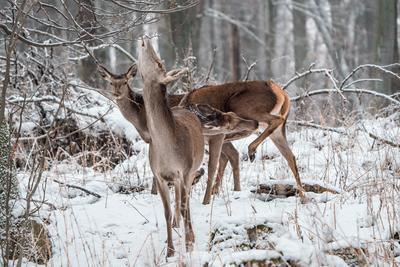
[{"x": 74, "y": 175}]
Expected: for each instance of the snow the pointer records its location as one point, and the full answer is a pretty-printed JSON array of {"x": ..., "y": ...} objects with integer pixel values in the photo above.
[{"x": 129, "y": 229}]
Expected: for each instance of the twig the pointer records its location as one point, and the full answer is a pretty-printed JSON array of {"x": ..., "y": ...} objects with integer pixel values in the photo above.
[
  {"x": 48, "y": 99},
  {"x": 249, "y": 68},
  {"x": 141, "y": 214},
  {"x": 94, "y": 48},
  {"x": 211, "y": 65},
  {"x": 336, "y": 130},
  {"x": 303, "y": 74},
  {"x": 52, "y": 206},
  {"x": 157, "y": 11},
  {"x": 384, "y": 141},
  {"x": 78, "y": 187},
  {"x": 362, "y": 80},
  {"x": 381, "y": 68},
  {"x": 210, "y": 12},
  {"x": 352, "y": 90},
  {"x": 327, "y": 72},
  {"x": 317, "y": 126}
]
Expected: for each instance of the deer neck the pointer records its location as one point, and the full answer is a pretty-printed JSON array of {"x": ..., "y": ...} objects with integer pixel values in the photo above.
[
  {"x": 132, "y": 108},
  {"x": 160, "y": 121}
]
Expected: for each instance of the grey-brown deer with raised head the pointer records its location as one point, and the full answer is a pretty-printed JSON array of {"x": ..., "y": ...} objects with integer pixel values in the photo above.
[
  {"x": 176, "y": 139},
  {"x": 132, "y": 107},
  {"x": 263, "y": 101}
]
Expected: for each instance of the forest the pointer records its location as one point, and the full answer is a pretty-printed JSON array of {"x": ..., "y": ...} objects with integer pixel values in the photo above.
[{"x": 199, "y": 133}]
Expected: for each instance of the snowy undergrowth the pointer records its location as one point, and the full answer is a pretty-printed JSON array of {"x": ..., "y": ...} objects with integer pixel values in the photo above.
[{"x": 129, "y": 230}]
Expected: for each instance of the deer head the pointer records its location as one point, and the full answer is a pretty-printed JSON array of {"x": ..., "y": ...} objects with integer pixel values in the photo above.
[
  {"x": 152, "y": 68},
  {"x": 118, "y": 82}
]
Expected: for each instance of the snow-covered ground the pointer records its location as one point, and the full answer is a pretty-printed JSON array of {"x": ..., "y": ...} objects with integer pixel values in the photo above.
[{"x": 129, "y": 229}]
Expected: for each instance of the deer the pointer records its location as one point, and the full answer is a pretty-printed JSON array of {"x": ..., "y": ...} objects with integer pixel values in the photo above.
[
  {"x": 263, "y": 101},
  {"x": 176, "y": 144},
  {"x": 131, "y": 106}
]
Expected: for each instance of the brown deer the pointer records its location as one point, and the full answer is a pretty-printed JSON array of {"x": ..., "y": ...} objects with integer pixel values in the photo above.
[
  {"x": 176, "y": 138},
  {"x": 262, "y": 101},
  {"x": 132, "y": 107}
]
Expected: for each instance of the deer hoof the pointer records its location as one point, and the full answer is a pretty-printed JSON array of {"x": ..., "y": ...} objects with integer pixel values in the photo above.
[
  {"x": 303, "y": 198},
  {"x": 206, "y": 201},
  {"x": 215, "y": 190},
  {"x": 170, "y": 252},
  {"x": 252, "y": 157},
  {"x": 175, "y": 223},
  {"x": 189, "y": 241}
]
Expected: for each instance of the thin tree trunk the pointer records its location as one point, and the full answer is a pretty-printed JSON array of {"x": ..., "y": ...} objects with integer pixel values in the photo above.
[
  {"x": 235, "y": 52},
  {"x": 300, "y": 37},
  {"x": 87, "y": 20},
  {"x": 270, "y": 14},
  {"x": 8, "y": 181},
  {"x": 184, "y": 26},
  {"x": 385, "y": 41}
]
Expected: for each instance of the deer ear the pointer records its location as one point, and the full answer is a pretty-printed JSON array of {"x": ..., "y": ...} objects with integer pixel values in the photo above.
[
  {"x": 211, "y": 117},
  {"x": 104, "y": 73},
  {"x": 131, "y": 72},
  {"x": 206, "y": 110},
  {"x": 173, "y": 75}
]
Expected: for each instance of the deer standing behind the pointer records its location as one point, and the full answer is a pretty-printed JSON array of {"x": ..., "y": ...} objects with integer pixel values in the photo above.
[
  {"x": 132, "y": 107},
  {"x": 262, "y": 101}
]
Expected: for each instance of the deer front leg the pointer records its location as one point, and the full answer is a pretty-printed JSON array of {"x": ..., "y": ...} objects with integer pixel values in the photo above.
[
  {"x": 164, "y": 193},
  {"x": 176, "y": 221},
  {"x": 215, "y": 145},
  {"x": 185, "y": 209},
  {"x": 273, "y": 122}
]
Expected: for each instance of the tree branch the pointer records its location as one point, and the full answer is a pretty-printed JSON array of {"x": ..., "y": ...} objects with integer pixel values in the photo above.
[
  {"x": 350, "y": 90},
  {"x": 78, "y": 187}
]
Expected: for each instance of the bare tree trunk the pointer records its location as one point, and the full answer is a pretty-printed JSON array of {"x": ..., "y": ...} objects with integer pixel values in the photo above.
[
  {"x": 235, "y": 52},
  {"x": 320, "y": 17},
  {"x": 300, "y": 36},
  {"x": 270, "y": 15},
  {"x": 87, "y": 20},
  {"x": 8, "y": 181},
  {"x": 196, "y": 29},
  {"x": 385, "y": 41},
  {"x": 185, "y": 30}
]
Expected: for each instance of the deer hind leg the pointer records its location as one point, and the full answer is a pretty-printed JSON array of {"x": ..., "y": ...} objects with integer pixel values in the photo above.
[
  {"x": 223, "y": 161},
  {"x": 215, "y": 145},
  {"x": 185, "y": 210},
  {"x": 233, "y": 156},
  {"x": 176, "y": 221},
  {"x": 164, "y": 193},
  {"x": 230, "y": 153},
  {"x": 279, "y": 139},
  {"x": 273, "y": 122},
  {"x": 154, "y": 186}
]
